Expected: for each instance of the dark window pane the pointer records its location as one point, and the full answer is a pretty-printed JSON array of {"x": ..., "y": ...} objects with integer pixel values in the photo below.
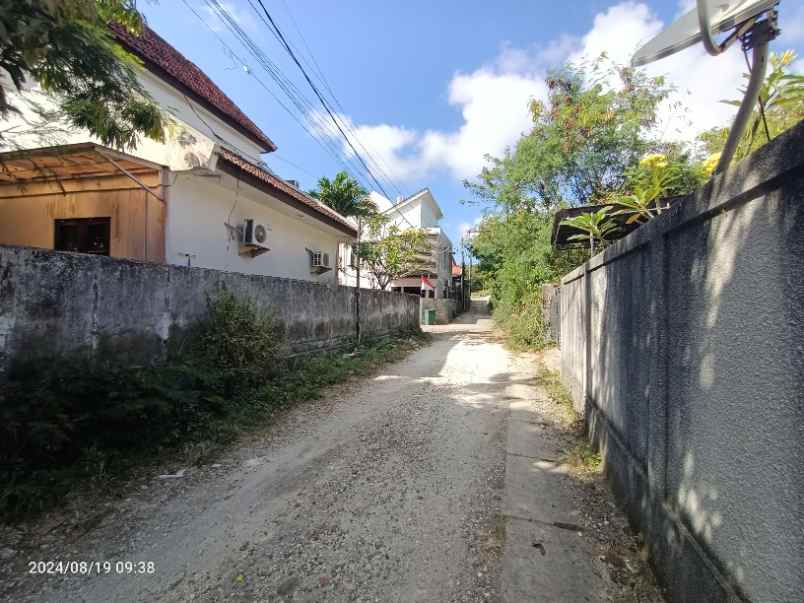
[{"x": 84, "y": 235}]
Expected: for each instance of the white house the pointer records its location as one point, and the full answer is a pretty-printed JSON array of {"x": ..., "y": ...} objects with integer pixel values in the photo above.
[
  {"x": 420, "y": 210},
  {"x": 202, "y": 198}
]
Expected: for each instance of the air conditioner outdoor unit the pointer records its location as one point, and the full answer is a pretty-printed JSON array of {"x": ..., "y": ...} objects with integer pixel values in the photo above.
[
  {"x": 255, "y": 237},
  {"x": 319, "y": 261}
]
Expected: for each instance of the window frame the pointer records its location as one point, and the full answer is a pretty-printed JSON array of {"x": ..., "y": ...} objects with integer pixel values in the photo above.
[{"x": 83, "y": 225}]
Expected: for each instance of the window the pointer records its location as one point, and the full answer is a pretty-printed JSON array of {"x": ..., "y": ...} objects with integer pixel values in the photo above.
[{"x": 84, "y": 235}]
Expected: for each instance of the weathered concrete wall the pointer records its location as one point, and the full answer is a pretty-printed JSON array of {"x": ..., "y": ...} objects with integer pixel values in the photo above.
[
  {"x": 683, "y": 344},
  {"x": 551, "y": 311},
  {"x": 51, "y": 301},
  {"x": 446, "y": 309}
]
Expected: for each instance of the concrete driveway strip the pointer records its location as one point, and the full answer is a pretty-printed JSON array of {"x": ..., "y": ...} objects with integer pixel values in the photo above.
[{"x": 432, "y": 481}]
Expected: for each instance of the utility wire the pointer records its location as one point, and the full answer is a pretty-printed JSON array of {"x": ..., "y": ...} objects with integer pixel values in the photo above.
[
  {"x": 234, "y": 56},
  {"x": 320, "y": 96},
  {"x": 317, "y": 68},
  {"x": 301, "y": 104},
  {"x": 296, "y": 97}
]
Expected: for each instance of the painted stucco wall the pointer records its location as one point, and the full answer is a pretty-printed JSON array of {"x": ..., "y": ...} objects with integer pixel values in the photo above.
[
  {"x": 188, "y": 141},
  {"x": 200, "y": 202},
  {"x": 203, "y": 212},
  {"x": 53, "y": 302},
  {"x": 683, "y": 344}
]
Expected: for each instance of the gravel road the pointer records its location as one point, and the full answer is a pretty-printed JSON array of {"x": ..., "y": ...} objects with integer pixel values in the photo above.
[{"x": 390, "y": 489}]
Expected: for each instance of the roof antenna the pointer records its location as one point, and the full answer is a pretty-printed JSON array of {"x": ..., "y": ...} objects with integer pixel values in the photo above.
[{"x": 744, "y": 21}]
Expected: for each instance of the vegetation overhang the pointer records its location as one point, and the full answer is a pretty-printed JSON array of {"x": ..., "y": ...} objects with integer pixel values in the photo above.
[{"x": 562, "y": 233}]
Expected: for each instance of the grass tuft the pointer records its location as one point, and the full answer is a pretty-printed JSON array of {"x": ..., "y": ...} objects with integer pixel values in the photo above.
[{"x": 581, "y": 454}]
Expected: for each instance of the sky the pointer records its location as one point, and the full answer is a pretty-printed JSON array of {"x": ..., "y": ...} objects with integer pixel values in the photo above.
[{"x": 428, "y": 88}]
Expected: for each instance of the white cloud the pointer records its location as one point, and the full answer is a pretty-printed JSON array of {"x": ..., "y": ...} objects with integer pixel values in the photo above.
[
  {"x": 465, "y": 227},
  {"x": 388, "y": 149},
  {"x": 494, "y": 106},
  {"x": 618, "y": 32},
  {"x": 701, "y": 81},
  {"x": 493, "y": 100}
]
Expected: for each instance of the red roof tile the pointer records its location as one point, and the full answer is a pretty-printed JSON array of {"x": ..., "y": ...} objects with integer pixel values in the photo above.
[
  {"x": 287, "y": 193},
  {"x": 167, "y": 62}
]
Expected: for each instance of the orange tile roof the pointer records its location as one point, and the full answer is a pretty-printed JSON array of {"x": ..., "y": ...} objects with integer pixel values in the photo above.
[
  {"x": 168, "y": 63},
  {"x": 287, "y": 193}
]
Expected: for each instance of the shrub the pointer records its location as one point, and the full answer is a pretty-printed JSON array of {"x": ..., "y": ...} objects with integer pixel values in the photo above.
[
  {"x": 237, "y": 341},
  {"x": 54, "y": 411}
]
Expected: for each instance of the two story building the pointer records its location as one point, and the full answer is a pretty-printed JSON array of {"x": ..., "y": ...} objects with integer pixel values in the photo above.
[
  {"x": 202, "y": 198},
  {"x": 420, "y": 210}
]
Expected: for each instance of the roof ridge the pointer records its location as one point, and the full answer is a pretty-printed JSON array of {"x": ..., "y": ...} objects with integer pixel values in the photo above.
[
  {"x": 275, "y": 181},
  {"x": 161, "y": 58}
]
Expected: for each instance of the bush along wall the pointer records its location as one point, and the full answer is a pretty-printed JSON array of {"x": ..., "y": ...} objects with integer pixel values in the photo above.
[{"x": 81, "y": 414}]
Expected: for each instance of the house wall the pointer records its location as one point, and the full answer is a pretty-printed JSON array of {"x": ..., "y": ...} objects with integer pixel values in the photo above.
[
  {"x": 54, "y": 302},
  {"x": 188, "y": 141},
  {"x": 409, "y": 216},
  {"x": 28, "y": 213},
  {"x": 428, "y": 216},
  {"x": 200, "y": 209},
  {"x": 682, "y": 343}
]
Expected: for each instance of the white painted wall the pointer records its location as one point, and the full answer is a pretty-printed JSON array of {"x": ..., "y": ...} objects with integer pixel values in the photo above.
[
  {"x": 421, "y": 211},
  {"x": 185, "y": 146},
  {"x": 199, "y": 206},
  {"x": 199, "y": 209}
]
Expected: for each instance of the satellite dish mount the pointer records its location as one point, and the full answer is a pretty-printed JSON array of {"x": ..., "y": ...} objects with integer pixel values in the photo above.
[{"x": 753, "y": 22}]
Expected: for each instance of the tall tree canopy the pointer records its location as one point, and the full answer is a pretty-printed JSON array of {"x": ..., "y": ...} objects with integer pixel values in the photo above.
[
  {"x": 595, "y": 123},
  {"x": 587, "y": 139},
  {"x": 66, "y": 46},
  {"x": 345, "y": 195}
]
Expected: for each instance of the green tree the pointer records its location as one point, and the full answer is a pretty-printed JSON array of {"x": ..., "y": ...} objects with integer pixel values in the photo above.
[
  {"x": 515, "y": 258},
  {"x": 390, "y": 253},
  {"x": 66, "y": 46},
  {"x": 585, "y": 146},
  {"x": 345, "y": 195},
  {"x": 782, "y": 99},
  {"x": 583, "y": 139}
]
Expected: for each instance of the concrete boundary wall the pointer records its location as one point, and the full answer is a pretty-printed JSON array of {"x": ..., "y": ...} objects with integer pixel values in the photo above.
[
  {"x": 56, "y": 302},
  {"x": 446, "y": 308},
  {"x": 682, "y": 345}
]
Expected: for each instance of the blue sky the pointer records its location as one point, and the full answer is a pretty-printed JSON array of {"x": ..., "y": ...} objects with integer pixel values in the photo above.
[{"x": 430, "y": 87}]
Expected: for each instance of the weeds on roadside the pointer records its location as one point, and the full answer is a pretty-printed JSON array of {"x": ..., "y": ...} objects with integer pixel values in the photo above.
[
  {"x": 581, "y": 454},
  {"x": 79, "y": 421},
  {"x": 551, "y": 382}
]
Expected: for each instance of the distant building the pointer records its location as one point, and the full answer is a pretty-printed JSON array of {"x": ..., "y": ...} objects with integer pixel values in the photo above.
[
  {"x": 202, "y": 198},
  {"x": 420, "y": 210}
]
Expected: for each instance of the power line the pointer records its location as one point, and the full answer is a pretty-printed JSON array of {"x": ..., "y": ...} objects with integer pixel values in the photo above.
[
  {"x": 301, "y": 104},
  {"x": 320, "y": 96},
  {"x": 317, "y": 68}
]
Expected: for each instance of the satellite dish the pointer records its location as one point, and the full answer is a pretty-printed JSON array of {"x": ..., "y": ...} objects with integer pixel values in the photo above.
[
  {"x": 724, "y": 15},
  {"x": 744, "y": 19}
]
